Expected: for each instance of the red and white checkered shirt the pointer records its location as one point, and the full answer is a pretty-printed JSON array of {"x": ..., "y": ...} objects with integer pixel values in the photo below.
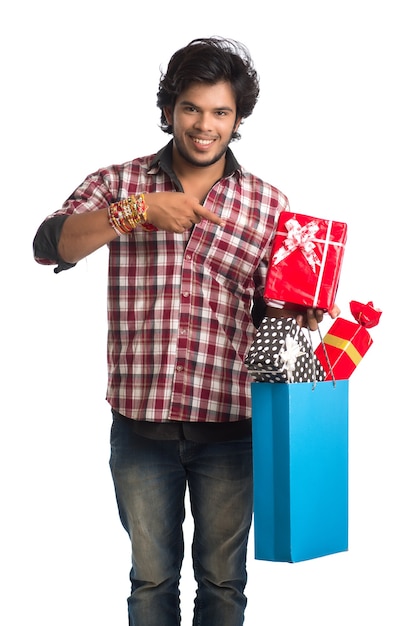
[{"x": 179, "y": 305}]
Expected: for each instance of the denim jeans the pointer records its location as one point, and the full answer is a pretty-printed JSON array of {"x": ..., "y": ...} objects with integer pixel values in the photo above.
[{"x": 150, "y": 478}]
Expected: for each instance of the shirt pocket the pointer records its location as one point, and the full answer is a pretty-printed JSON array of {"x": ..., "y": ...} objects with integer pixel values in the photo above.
[{"x": 233, "y": 256}]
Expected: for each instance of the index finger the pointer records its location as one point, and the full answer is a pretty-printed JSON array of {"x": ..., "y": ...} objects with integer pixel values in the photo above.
[{"x": 206, "y": 214}]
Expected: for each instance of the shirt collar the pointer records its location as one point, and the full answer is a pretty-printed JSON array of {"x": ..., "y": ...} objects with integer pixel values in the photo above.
[{"x": 164, "y": 160}]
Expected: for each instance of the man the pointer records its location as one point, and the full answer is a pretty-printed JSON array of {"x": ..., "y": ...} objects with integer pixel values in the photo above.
[{"x": 189, "y": 233}]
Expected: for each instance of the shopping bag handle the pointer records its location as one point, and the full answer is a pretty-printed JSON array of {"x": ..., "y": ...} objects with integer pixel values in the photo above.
[{"x": 326, "y": 356}]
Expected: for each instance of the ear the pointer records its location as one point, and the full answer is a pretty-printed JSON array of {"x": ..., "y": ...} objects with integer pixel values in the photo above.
[
  {"x": 168, "y": 114},
  {"x": 237, "y": 124}
]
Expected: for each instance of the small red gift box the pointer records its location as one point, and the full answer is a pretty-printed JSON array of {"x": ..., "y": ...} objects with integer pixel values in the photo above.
[
  {"x": 305, "y": 263},
  {"x": 346, "y": 343}
]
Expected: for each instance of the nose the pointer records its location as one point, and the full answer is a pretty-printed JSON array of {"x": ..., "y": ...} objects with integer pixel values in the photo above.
[{"x": 204, "y": 122}]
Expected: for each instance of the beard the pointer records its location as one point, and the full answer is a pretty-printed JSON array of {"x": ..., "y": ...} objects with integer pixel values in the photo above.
[{"x": 188, "y": 157}]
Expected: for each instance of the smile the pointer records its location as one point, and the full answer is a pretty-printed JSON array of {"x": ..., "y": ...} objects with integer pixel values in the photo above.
[{"x": 203, "y": 142}]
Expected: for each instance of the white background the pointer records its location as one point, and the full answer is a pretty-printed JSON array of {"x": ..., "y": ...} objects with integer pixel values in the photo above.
[{"x": 336, "y": 130}]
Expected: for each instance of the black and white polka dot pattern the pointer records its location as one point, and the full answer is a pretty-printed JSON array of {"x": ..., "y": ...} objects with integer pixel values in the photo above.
[{"x": 268, "y": 360}]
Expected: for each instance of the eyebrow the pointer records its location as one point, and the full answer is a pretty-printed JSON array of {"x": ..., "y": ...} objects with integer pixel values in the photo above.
[{"x": 193, "y": 104}]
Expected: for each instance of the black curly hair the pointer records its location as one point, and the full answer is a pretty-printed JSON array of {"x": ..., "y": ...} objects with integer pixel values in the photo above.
[{"x": 210, "y": 60}]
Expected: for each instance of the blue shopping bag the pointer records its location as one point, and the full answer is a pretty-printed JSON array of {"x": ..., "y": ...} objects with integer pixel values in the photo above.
[{"x": 300, "y": 453}]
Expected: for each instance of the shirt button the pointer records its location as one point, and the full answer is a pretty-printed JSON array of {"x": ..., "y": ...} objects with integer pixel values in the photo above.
[
  {"x": 185, "y": 294},
  {"x": 183, "y": 331},
  {"x": 179, "y": 368},
  {"x": 188, "y": 257}
]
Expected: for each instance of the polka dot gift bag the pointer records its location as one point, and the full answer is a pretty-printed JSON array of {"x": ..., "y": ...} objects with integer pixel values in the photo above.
[{"x": 281, "y": 353}]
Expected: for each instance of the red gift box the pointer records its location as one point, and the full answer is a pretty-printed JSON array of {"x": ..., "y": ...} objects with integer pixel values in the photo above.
[
  {"x": 305, "y": 263},
  {"x": 345, "y": 344}
]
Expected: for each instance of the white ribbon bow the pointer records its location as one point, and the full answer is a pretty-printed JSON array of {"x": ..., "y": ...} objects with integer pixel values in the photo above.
[
  {"x": 299, "y": 237},
  {"x": 289, "y": 354}
]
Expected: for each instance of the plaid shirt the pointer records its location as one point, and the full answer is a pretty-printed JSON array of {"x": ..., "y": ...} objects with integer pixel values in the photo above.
[{"x": 179, "y": 305}]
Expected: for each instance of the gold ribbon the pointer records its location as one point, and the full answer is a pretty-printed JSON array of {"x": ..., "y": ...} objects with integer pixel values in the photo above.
[{"x": 345, "y": 345}]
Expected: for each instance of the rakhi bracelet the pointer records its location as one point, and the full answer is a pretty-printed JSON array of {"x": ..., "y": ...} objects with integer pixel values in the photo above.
[
  {"x": 125, "y": 215},
  {"x": 142, "y": 213}
]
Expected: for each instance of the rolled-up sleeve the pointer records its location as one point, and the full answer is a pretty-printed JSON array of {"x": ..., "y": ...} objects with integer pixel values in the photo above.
[
  {"x": 45, "y": 243},
  {"x": 93, "y": 194}
]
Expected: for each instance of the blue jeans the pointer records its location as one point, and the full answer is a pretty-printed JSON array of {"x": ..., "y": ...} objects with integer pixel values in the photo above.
[{"x": 150, "y": 478}]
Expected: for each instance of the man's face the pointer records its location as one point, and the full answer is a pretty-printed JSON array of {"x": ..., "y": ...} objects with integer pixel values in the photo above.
[{"x": 203, "y": 120}]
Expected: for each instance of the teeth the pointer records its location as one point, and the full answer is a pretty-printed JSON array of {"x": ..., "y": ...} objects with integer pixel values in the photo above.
[{"x": 204, "y": 142}]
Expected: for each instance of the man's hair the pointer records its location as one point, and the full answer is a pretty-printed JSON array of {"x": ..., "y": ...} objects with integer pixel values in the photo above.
[{"x": 209, "y": 61}]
